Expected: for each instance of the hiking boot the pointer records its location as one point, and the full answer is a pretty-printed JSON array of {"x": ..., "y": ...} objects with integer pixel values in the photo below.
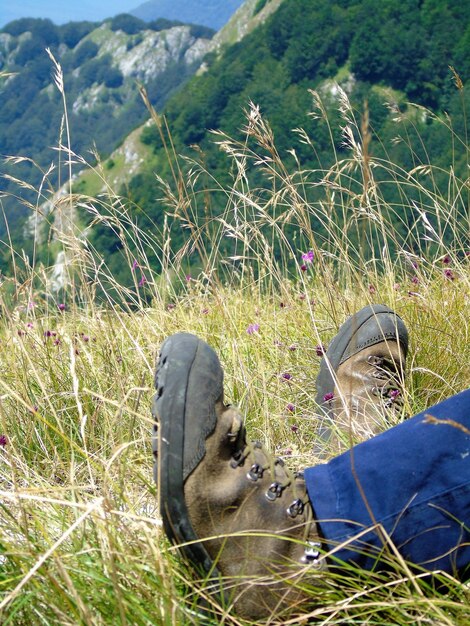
[
  {"x": 238, "y": 515},
  {"x": 360, "y": 383}
]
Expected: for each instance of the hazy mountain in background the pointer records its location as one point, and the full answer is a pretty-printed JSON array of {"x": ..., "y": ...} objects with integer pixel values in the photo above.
[
  {"x": 61, "y": 12},
  {"x": 212, "y": 13}
]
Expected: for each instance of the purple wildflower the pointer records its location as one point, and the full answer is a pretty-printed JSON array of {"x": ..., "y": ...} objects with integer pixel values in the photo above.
[
  {"x": 135, "y": 265},
  {"x": 320, "y": 349},
  {"x": 415, "y": 280},
  {"x": 188, "y": 278},
  {"x": 294, "y": 428},
  {"x": 372, "y": 289},
  {"x": 47, "y": 333},
  {"x": 302, "y": 296},
  {"x": 286, "y": 376},
  {"x": 252, "y": 328},
  {"x": 61, "y": 306},
  {"x": 142, "y": 281},
  {"x": 449, "y": 274},
  {"x": 308, "y": 256},
  {"x": 292, "y": 347},
  {"x": 328, "y": 396},
  {"x": 290, "y": 407},
  {"x": 394, "y": 393},
  {"x": 446, "y": 259},
  {"x": 3, "y": 440},
  {"x": 171, "y": 306},
  {"x": 205, "y": 311},
  {"x": 303, "y": 268}
]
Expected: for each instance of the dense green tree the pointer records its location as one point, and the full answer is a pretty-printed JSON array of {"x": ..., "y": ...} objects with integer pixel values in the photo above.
[{"x": 127, "y": 23}]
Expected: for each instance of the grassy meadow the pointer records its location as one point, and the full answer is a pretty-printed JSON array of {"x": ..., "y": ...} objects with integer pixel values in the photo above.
[{"x": 81, "y": 540}]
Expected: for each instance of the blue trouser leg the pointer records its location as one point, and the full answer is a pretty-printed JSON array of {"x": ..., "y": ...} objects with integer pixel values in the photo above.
[{"x": 413, "y": 480}]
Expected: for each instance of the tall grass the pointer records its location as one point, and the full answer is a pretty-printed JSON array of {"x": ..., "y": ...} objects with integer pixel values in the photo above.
[{"x": 80, "y": 535}]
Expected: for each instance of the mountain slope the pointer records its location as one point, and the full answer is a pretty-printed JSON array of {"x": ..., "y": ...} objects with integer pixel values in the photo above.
[
  {"x": 212, "y": 13},
  {"x": 100, "y": 64}
]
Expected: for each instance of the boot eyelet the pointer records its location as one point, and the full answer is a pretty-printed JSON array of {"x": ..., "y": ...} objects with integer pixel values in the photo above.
[
  {"x": 295, "y": 508},
  {"x": 237, "y": 460},
  {"x": 311, "y": 554},
  {"x": 256, "y": 472},
  {"x": 274, "y": 491}
]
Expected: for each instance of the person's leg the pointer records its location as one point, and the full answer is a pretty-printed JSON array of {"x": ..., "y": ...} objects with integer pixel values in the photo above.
[
  {"x": 238, "y": 513},
  {"x": 413, "y": 480}
]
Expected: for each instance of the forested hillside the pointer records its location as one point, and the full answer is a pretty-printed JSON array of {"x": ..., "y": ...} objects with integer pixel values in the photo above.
[
  {"x": 384, "y": 54},
  {"x": 101, "y": 65}
]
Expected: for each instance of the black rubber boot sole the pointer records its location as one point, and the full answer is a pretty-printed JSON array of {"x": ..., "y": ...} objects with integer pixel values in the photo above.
[
  {"x": 367, "y": 327},
  {"x": 188, "y": 382}
]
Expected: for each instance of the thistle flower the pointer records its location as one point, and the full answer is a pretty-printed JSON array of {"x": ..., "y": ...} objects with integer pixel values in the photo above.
[{"x": 61, "y": 306}]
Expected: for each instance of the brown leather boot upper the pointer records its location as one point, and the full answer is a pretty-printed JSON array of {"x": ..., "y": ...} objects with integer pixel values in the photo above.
[
  {"x": 361, "y": 378},
  {"x": 369, "y": 387},
  {"x": 256, "y": 519}
]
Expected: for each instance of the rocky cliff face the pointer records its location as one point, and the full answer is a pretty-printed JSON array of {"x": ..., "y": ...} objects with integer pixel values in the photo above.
[{"x": 146, "y": 56}]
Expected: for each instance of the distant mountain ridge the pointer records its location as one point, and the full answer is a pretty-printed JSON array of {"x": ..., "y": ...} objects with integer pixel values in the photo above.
[{"x": 212, "y": 13}]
